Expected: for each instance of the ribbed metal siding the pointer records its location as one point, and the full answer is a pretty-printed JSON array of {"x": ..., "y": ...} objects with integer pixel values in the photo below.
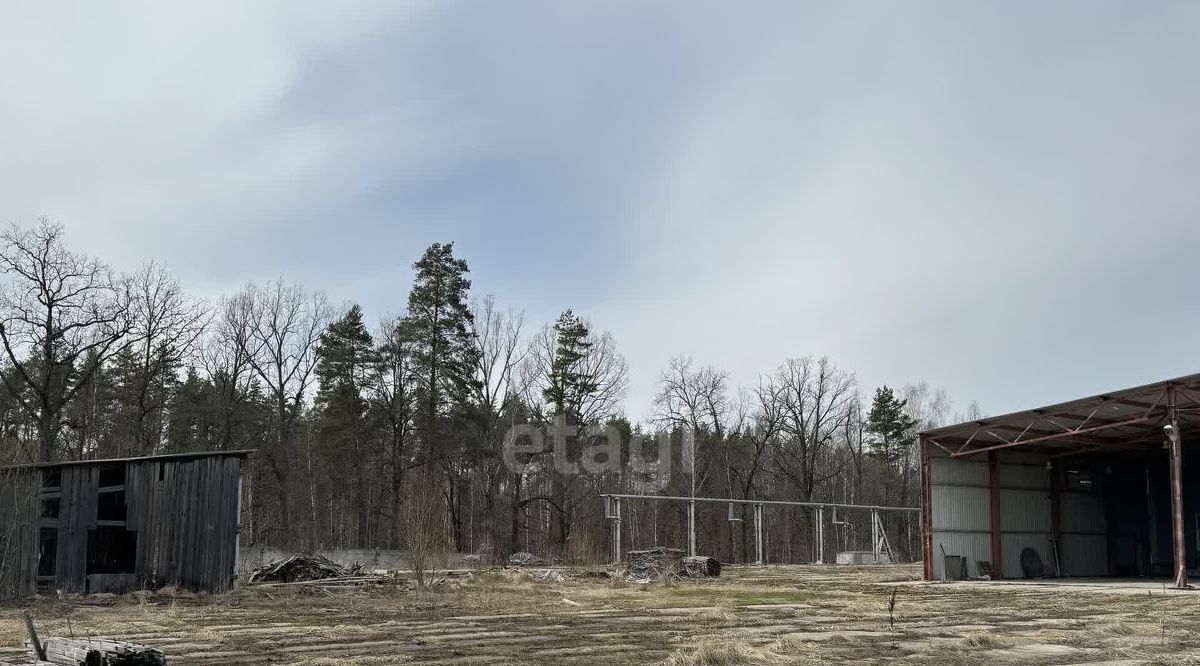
[
  {"x": 1082, "y": 513},
  {"x": 961, "y": 515},
  {"x": 1013, "y": 544},
  {"x": 976, "y": 547},
  {"x": 1025, "y": 511},
  {"x": 961, "y": 509},
  {"x": 1085, "y": 555},
  {"x": 1024, "y": 476},
  {"x": 959, "y": 472},
  {"x": 1085, "y": 540}
]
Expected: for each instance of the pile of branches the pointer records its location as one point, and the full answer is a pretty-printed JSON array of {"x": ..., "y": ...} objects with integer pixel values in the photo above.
[
  {"x": 654, "y": 564},
  {"x": 662, "y": 564},
  {"x": 299, "y": 568}
]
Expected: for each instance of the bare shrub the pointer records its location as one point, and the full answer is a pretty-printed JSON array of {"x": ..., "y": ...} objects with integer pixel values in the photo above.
[
  {"x": 581, "y": 549},
  {"x": 425, "y": 531}
]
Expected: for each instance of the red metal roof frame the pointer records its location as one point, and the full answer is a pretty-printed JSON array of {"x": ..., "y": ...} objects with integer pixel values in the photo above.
[{"x": 1129, "y": 420}]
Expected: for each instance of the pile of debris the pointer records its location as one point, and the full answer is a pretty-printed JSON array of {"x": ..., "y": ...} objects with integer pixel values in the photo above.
[
  {"x": 661, "y": 564},
  {"x": 523, "y": 559},
  {"x": 654, "y": 564},
  {"x": 100, "y": 653},
  {"x": 90, "y": 652},
  {"x": 299, "y": 568},
  {"x": 702, "y": 566}
]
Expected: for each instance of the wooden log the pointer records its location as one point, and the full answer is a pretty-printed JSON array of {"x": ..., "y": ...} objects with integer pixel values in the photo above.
[
  {"x": 100, "y": 652},
  {"x": 38, "y": 650},
  {"x": 702, "y": 566}
]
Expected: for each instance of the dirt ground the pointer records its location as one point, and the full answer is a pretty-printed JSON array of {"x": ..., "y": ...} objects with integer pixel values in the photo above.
[{"x": 751, "y": 615}]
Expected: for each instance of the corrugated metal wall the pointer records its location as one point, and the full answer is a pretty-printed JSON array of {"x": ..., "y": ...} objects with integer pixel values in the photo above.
[
  {"x": 961, "y": 516},
  {"x": 1084, "y": 533}
]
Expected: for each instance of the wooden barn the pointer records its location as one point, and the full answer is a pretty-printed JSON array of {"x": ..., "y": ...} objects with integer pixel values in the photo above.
[{"x": 121, "y": 525}]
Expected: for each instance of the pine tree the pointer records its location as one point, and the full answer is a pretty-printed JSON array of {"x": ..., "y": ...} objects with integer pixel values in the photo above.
[
  {"x": 439, "y": 321},
  {"x": 191, "y": 426},
  {"x": 345, "y": 358},
  {"x": 891, "y": 425},
  {"x": 569, "y": 383}
]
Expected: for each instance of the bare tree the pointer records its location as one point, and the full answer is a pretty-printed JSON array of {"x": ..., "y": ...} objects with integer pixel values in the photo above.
[
  {"x": 754, "y": 434},
  {"x": 281, "y": 340},
  {"x": 817, "y": 400},
  {"x": 425, "y": 530},
  {"x": 696, "y": 401},
  {"x": 224, "y": 353},
  {"x": 496, "y": 336},
  {"x": 62, "y": 316},
  {"x": 165, "y": 327},
  {"x": 602, "y": 363}
]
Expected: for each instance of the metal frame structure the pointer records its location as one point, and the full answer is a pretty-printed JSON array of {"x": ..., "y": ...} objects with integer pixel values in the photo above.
[
  {"x": 1136, "y": 420},
  {"x": 612, "y": 511}
]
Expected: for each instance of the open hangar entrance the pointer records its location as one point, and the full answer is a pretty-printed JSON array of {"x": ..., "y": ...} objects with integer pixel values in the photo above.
[{"x": 1094, "y": 487}]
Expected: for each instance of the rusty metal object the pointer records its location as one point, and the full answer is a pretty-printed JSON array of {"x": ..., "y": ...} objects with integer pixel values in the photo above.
[
  {"x": 994, "y": 498},
  {"x": 926, "y": 509},
  {"x": 1175, "y": 438}
]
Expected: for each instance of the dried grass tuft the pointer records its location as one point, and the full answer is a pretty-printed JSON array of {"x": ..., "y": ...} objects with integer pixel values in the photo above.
[
  {"x": 983, "y": 639},
  {"x": 722, "y": 653}
]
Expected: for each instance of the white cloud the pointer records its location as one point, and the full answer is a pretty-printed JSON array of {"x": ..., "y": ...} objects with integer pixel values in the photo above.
[{"x": 974, "y": 195}]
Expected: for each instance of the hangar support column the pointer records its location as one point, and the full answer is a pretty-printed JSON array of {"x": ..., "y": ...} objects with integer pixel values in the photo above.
[
  {"x": 926, "y": 509},
  {"x": 994, "y": 511},
  {"x": 1175, "y": 446}
]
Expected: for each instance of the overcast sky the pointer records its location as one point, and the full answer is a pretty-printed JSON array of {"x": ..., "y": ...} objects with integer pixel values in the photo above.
[{"x": 1002, "y": 198}]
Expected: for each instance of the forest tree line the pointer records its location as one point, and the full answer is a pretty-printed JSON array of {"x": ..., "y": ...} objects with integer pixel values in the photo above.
[{"x": 375, "y": 434}]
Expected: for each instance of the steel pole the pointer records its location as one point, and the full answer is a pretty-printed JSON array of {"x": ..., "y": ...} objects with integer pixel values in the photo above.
[
  {"x": 758, "y": 534},
  {"x": 820, "y": 526},
  {"x": 616, "y": 530},
  {"x": 692, "y": 528},
  {"x": 1176, "y": 444}
]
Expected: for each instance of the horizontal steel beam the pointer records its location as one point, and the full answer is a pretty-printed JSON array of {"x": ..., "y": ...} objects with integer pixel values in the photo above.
[
  {"x": 725, "y": 500},
  {"x": 1061, "y": 435}
]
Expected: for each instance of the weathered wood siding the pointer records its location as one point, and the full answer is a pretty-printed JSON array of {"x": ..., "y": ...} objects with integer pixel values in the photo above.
[
  {"x": 186, "y": 517},
  {"x": 184, "y": 512},
  {"x": 76, "y": 517},
  {"x": 18, "y": 532}
]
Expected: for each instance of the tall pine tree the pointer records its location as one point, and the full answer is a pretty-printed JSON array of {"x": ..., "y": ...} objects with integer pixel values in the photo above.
[
  {"x": 892, "y": 427},
  {"x": 569, "y": 383},
  {"x": 444, "y": 358},
  {"x": 345, "y": 359},
  {"x": 439, "y": 324}
]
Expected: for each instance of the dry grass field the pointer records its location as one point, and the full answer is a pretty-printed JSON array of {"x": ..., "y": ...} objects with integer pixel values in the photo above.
[{"x": 751, "y": 615}]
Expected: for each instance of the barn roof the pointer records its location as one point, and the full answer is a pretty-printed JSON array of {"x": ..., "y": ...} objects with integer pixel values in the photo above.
[
  {"x": 194, "y": 455},
  {"x": 1129, "y": 420}
]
